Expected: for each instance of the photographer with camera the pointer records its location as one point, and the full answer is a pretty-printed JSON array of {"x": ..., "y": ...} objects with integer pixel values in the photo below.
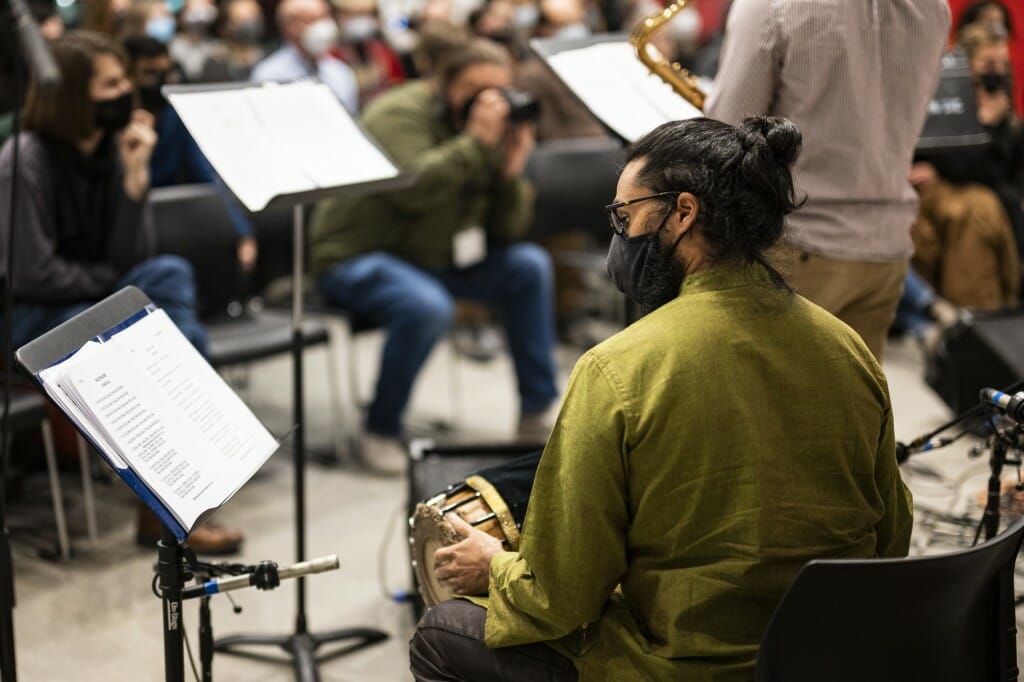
[{"x": 396, "y": 259}]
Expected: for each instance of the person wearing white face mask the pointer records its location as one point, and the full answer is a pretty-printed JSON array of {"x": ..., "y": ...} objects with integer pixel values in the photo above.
[
  {"x": 194, "y": 44},
  {"x": 309, "y": 34},
  {"x": 376, "y": 65}
]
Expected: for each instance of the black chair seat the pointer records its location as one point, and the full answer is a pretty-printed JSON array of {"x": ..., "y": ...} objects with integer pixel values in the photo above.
[
  {"x": 28, "y": 409},
  {"x": 234, "y": 341}
]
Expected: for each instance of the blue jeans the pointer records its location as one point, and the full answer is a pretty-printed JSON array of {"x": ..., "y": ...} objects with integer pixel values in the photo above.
[
  {"x": 167, "y": 280},
  {"x": 415, "y": 308},
  {"x": 912, "y": 311}
]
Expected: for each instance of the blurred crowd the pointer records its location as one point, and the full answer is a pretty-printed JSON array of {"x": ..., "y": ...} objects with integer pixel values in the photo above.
[{"x": 424, "y": 77}]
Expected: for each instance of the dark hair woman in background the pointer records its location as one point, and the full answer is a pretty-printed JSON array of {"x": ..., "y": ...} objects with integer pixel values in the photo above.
[{"x": 83, "y": 178}]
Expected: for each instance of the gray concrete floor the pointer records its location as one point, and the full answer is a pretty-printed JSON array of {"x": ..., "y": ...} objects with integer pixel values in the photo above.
[{"x": 94, "y": 617}]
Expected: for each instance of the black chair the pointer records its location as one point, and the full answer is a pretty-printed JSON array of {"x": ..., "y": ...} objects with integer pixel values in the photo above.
[
  {"x": 935, "y": 618},
  {"x": 192, "y": 221},
  {"x": 574, "y": 180},
  {"x": 28, "y": 411}
]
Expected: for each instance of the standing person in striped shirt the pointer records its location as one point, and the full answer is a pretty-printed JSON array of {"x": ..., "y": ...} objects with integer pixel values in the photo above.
[{"x": 856, "y": 77}]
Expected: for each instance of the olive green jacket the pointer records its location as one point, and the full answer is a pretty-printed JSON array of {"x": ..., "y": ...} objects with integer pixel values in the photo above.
[
  {"x": 458, "y": 185},
  {"x": 700, "y": 458}
]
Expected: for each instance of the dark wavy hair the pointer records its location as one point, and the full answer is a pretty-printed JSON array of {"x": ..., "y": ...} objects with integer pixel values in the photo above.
[{"x": 739, "y": 174}]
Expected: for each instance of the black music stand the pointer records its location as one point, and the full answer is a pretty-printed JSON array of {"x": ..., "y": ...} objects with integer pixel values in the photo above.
[
  {"x": 301, "y": 645},
  {"x": 57, "y": 344}
]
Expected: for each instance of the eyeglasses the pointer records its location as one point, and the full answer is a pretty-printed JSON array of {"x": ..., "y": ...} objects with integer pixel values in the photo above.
[{"x": 619, "y": 223}]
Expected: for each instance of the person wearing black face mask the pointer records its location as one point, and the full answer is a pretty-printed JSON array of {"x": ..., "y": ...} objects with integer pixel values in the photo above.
[
  {"x": 670, "y": 504},
  {"x": 969, "y": 234},
  {"x": 82, "y": 228},
  {"x": 177, "y": 159}
]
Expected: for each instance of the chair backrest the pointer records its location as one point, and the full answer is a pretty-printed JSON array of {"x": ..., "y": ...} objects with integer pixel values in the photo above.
[
  {"x": 574, "y": 180},
  {"x": 945, "y": 617},
  {"x": 193, "y": 222}
]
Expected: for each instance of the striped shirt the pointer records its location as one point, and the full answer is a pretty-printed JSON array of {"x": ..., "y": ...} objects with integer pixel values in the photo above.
[{"x": 856, "y": 76}]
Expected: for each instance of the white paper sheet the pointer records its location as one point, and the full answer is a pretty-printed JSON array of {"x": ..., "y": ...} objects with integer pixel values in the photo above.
[
  {"x": 276, "y": 139},
  {"x": 619, "y": 90}
]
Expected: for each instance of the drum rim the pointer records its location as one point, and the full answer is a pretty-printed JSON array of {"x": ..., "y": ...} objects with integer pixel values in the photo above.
[{"x": 497, "y": 504}]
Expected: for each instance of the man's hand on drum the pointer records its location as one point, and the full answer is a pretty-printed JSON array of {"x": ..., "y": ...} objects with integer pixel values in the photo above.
[{"x": 465, "y": 566}]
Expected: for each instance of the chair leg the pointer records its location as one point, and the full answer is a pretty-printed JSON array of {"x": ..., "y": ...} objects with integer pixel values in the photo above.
[
  {"x": 339, "y": 423},
  {"x": 454, "y": 388},
  {"x": 87, "y": 492},
  {"x": 63, "y": 544}
]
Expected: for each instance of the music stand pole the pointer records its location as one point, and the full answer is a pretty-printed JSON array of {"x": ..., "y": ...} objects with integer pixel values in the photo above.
[
  {"x": 171, "y": 572},
  {"x": 301, "y": 646}
]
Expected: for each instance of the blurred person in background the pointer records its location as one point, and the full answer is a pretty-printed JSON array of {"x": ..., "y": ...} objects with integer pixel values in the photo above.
[
  {"x": 398, "y": 258},
  {"x": 195, "y": 43},
  {"x": 849, "y": 247},
  {"x": 376, "y": 66},
  {"x": 82, "y": 231},
  {"x": 241, "y": 29},
  {"x": 309, "y": 33},
  {"x": 151, "y": 17},
  {"x": 964, "y": 236},
  {"x": 176, "y": 158}
]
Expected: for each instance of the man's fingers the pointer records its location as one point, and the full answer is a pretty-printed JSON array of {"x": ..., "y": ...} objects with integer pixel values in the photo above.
[{"x": 460, "y": 525}]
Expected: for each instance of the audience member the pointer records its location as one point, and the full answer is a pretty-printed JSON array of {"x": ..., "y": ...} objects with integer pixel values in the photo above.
[
  {"x": 986, "y": 12},
  {"x": 82, "y": 230},
  {"x": 398, "y": 258},
  {"x": 850, "y": 245},
  {"x": 375, "y": 64},
  {"x": 151, "y": 17},
  {"x": 176, "y": 158},
  {"x": 241, "y": 30},
  {"x": 964, "y": 236},
  {"x": 309, "y": 33},
  {"x": 194, "y": 43}
]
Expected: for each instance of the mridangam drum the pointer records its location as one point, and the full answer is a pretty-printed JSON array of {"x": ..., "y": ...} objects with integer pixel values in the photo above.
[{"x": 492, "y": 500}]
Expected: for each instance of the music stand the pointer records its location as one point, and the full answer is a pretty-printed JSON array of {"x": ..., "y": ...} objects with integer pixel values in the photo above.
[
  {"x": 301, "y": 645},
  {"x": 54, "y": 346}
]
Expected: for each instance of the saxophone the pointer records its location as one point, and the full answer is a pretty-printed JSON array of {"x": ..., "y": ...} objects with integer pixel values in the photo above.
[{"x": 681, "y": 80}]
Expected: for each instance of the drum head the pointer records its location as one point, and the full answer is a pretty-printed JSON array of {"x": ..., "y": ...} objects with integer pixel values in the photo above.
[{"x": 429, "y": 532}]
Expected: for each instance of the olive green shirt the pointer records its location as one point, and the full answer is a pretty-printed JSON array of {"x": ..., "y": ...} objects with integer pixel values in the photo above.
[
  {"x": 458, "y": 185},
  {"x": 701, "y": 457}
]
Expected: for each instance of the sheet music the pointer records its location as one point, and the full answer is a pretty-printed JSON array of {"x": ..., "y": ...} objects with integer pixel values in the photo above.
[
  {"x": 276, "y": 139},
  {"x": 152, "y": 403},
  {"x": 235, "y": 142},
  {"x": 306, "y": 120},
  {"x": 619, "y": 90}
]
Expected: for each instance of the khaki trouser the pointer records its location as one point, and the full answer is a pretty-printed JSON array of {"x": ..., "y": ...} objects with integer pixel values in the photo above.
[{"x": 862, "y": 294}]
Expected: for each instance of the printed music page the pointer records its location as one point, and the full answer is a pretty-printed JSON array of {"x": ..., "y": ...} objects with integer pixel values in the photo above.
[
  {"x": 167, "y": 415},
  {"x": 235, "y": 142},
  {"x": 306, "y": 120},
  {"x": 617, "y": 88}
]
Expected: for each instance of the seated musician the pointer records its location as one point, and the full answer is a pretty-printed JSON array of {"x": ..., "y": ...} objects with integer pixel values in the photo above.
[{"x": 701, "y": 456}]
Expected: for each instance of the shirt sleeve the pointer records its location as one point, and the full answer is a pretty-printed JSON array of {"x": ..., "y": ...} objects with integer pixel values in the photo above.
[
  {"x": 40, "y": 275},
  {"x": 573, "y": 548},
  {"x": 748, "y": 74},
  {"x": 892, "y": 532},
  {"x": 456, "y": 162}
]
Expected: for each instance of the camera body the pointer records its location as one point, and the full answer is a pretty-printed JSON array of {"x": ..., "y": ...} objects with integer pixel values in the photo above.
[{"x": 522, "y": 106}]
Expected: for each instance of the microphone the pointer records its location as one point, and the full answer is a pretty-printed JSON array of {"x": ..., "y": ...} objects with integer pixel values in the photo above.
[
  {"x": 33, "y": 46},
  {"x": 1011, "y": 405},
  {"x": 267, "y": 576}
]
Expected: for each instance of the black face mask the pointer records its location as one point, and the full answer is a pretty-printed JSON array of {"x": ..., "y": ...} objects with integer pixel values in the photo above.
[
  {"x": 111, "y": 115},
  {"x": 644, "y": 269},
  {"x": 994, "y": 82},
  {"x": 151, "y": 97}
]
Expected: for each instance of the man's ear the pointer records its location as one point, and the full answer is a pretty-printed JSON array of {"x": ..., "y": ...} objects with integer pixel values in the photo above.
[{"x": 684, "y": 214}]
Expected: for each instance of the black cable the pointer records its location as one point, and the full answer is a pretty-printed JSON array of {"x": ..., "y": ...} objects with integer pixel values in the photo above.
[{"x": 188, "y": 647}]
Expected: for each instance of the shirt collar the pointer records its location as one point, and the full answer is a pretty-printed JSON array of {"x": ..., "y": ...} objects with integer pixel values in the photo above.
[{"x": 725, "y": 277}]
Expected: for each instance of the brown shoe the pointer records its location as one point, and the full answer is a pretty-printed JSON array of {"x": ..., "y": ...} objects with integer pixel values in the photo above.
[{"x": 209, "y": 538}]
